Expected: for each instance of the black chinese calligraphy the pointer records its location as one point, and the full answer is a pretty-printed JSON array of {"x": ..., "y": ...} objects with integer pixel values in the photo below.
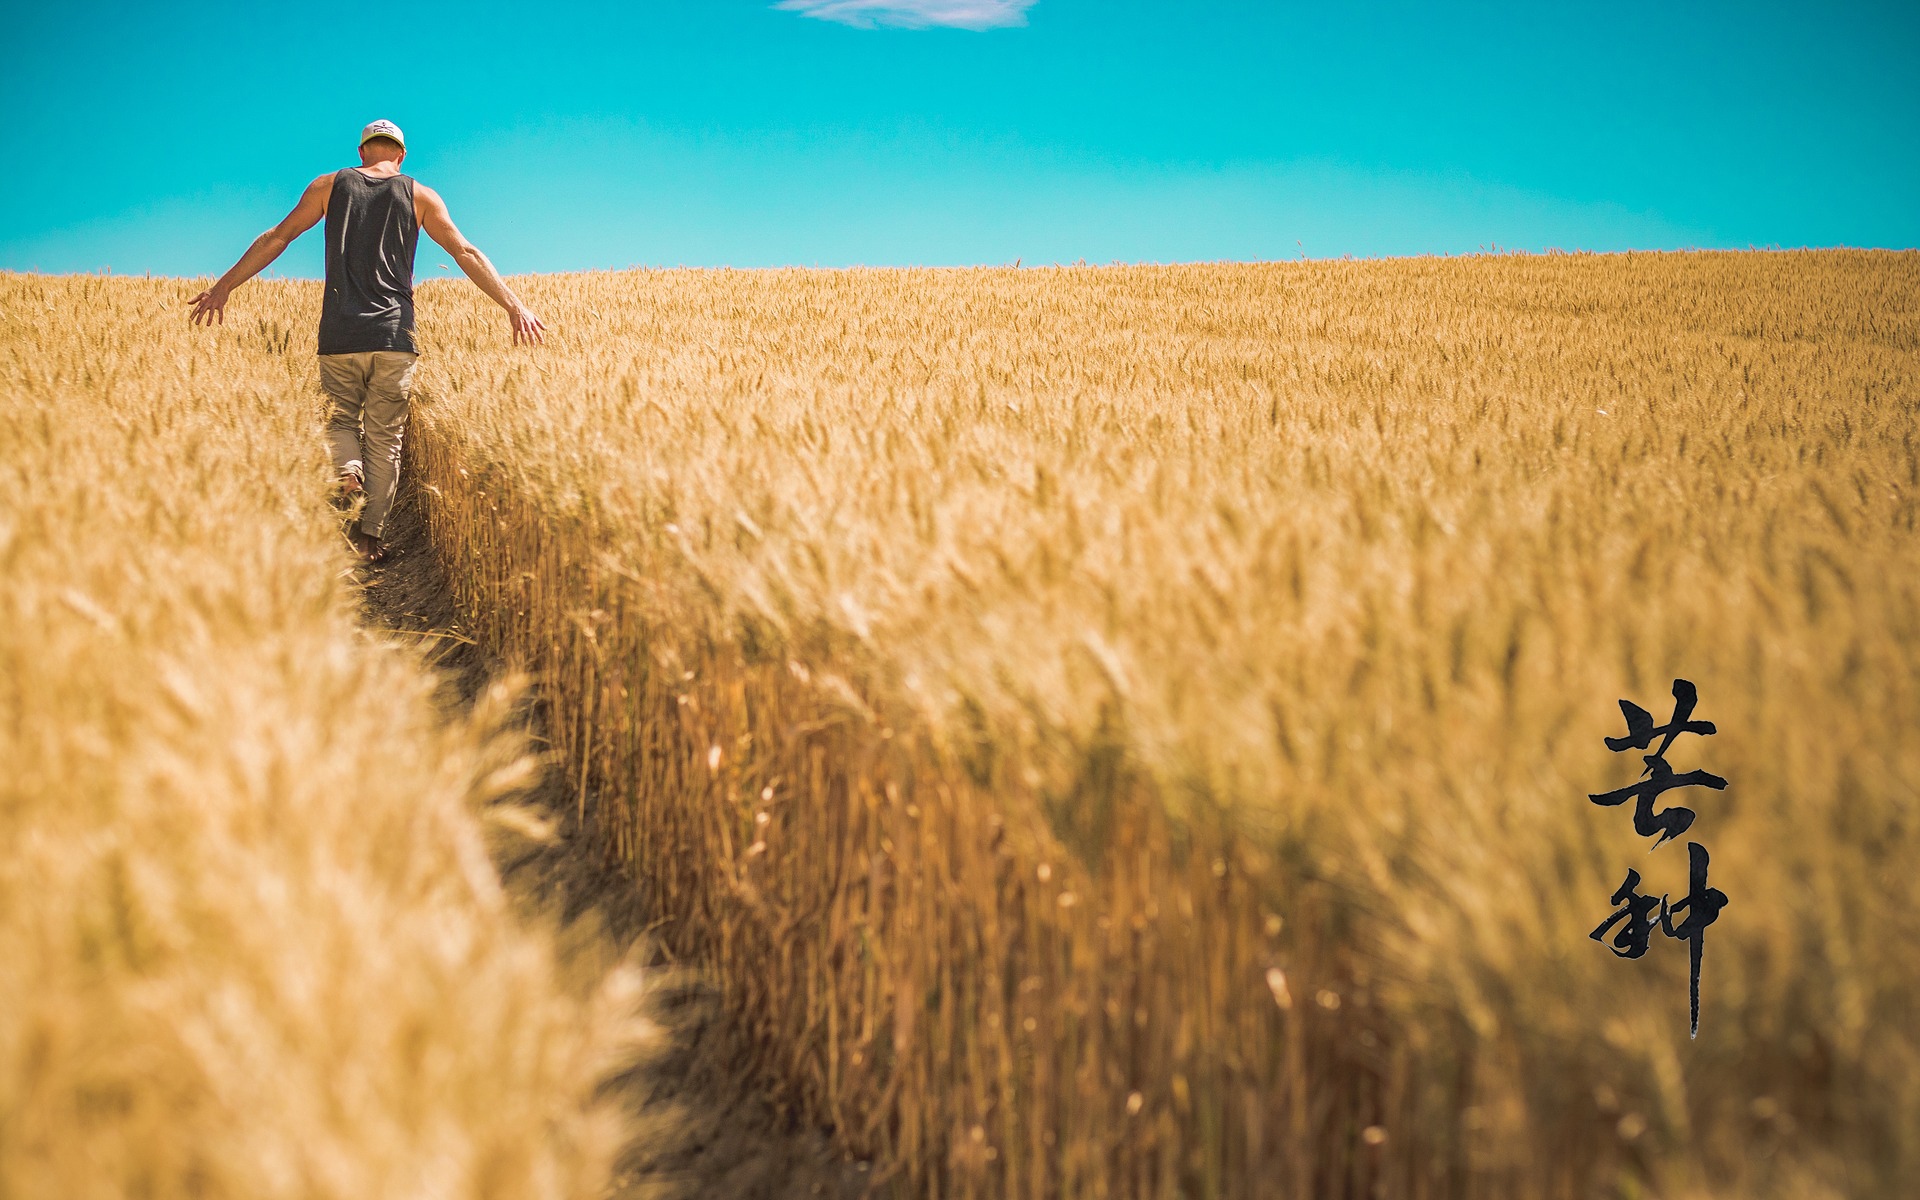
[
  {"x": 1641, "y": 730},
  {"x": 1637, "y": 911},
  {"x": 1669, "y": 822},
  {"x": 1702, "y": 904}
]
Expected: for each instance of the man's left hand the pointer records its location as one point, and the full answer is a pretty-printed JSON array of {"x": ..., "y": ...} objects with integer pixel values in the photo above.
[
  {"x": 209, "y": 306},
  {"x": 527, "y": 327}
]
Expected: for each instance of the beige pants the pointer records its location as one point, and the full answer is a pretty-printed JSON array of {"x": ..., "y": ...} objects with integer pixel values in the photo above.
[{"x": 370, "y": 391}]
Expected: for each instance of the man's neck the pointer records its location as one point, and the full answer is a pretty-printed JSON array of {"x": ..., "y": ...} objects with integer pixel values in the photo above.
[{"x": 384, "y": 166}]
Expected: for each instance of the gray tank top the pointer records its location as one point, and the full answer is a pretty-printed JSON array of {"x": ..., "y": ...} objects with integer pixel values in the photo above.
[{"x": 371, "y": 235}]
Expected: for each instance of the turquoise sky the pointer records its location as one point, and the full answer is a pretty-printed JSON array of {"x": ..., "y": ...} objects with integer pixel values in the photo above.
[{"x": 706, "y": 132}]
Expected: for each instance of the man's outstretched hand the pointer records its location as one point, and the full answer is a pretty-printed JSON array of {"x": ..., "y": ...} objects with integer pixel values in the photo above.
[
  {"x": 527, "y": 327},
  {"x": 208, "y": 307}
]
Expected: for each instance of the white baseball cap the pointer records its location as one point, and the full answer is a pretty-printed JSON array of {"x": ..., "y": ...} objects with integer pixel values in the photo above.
[{"x": 385, "y": 129}]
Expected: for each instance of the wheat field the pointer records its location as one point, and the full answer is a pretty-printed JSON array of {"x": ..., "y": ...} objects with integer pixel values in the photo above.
[
  {"x": 251, "y": 941},
  {"x": 1126, "y": 731}
]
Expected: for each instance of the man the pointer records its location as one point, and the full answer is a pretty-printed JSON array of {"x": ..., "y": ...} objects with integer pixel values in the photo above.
[{"x": 374, "y": 217}]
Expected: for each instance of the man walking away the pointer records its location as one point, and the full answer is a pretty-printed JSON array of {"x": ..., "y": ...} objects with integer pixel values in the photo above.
[{"x": 374, "y": 217}]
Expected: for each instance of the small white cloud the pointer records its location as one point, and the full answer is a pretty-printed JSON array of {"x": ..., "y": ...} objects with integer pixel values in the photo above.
[{"x": 914, "y": 14}]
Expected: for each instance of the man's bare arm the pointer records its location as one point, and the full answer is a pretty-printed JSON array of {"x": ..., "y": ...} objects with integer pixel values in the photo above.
[
  {"x": 211, "y": 304},
  {"x": 438, "y": 224}
]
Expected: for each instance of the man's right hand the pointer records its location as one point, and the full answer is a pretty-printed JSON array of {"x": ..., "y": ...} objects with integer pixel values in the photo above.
[
  {"x": 209, "y": 306},
  {"x": 527, "y": 327}
]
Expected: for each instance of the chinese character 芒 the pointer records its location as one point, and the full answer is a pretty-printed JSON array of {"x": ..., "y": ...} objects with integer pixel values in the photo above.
[
  {"x": 1641, "y": 730},
  {"x": 1673, "y": 821},
  {"x": 1669, "y": 822}
]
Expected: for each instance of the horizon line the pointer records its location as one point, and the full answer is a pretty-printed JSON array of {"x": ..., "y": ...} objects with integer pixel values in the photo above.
[{"x": 1077, "y": 264}]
